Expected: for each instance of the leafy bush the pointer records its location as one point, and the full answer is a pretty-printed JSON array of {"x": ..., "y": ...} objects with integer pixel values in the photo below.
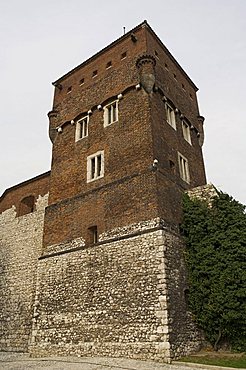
[{"x": 216, "y": 249}]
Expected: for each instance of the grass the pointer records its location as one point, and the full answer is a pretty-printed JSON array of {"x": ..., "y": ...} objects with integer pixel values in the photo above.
[{"x": 218, "y": 359}]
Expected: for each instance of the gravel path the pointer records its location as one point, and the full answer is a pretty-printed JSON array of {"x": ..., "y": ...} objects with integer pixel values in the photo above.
[
  {"x": 24, "y": 362},
  {"x": 19, "y": 361}
]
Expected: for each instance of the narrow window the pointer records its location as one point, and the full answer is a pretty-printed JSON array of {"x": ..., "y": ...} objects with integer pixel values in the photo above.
[
  {"x": 94, "y": 74},
  {"x": 82, "y": 81},
  {"x": 166, "y": 66},
  {"x": 123, "y": 55},
  {"x": 109, "y": 64},
  {"x": 69, "y": 89},
  {"x": 26, "y": 205},
  {"x": 183, "y": 168},
  {"x": 95, "y": 166},
  {"x": 82, "y": 128},
  {"x": 156, "y": 54},
  {"x": 92, "y": 235},
  {"x": 170, "y": 115},
  {"x": 186, "y": 131},
  {"x": 111, "y": 113}
]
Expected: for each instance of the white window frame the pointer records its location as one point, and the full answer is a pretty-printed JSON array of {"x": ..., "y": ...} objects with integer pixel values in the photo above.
[
  {"x": 183, "y": 168},
  {"x": 82, "y": 128},
  {"x": 171, "y": 118},
  {"x": 111, "y": 113},
  {"x": 186, "y": 131},
  {"x": 95, "y": 166}
]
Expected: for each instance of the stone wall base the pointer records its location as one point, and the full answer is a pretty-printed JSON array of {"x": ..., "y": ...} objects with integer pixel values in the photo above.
[
  {"x": 136, "y": 350},
  {"x": 122, "y": 298}
]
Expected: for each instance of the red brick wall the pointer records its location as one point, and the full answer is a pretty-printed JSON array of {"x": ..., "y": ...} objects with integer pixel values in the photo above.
[
  {"x": 130, "y": 145},
  {"x": 125, "y": 150},
  {"x": 36, "y": 186},
  {"x": 107, "y": 83}
]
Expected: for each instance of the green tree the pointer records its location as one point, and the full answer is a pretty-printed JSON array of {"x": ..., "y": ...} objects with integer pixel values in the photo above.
[{"x": 216, "y": 247}]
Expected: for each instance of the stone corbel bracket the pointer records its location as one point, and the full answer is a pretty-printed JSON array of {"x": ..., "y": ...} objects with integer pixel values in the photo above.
[
  {"x": 146, "y": 67},
  {"x": 52, "y": 130}
]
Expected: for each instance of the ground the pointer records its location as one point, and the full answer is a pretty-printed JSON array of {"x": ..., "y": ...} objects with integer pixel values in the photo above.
[{"x": 19, "y": 361}]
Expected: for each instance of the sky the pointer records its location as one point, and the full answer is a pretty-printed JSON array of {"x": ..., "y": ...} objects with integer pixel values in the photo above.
[{"x": 42, "y": 40}]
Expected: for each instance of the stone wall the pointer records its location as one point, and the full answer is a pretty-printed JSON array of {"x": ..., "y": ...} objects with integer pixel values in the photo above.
[
  {"x": 184, "y": 336},
  {"x": 204, "y": 193},
  {"x": 113, "y": 298},
  {"x": 109, "y": 299},
  {"x": 20, "y": 247}
]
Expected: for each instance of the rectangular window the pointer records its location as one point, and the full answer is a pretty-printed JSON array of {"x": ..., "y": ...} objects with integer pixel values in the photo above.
[
  {"x": 183, "y": 168},
  {"x": 95, "y": 166},
  {"x": 186, "y": 131},
  {"x": 82, "y": 128},
  {"x": 170, "y": 116},
  {"x": 111, "y": 113},
  {"x": 92, "y": 235}
]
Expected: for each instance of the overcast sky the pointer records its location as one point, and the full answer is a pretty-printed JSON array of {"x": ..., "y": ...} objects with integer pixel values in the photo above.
[{"x": 42, "y": 40}]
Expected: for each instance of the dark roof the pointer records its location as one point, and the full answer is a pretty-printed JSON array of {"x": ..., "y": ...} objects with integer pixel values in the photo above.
[{"x": 144, "y": 23}]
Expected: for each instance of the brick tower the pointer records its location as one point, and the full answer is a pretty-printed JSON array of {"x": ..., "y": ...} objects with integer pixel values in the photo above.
[{"x": 127, "y": 137}]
